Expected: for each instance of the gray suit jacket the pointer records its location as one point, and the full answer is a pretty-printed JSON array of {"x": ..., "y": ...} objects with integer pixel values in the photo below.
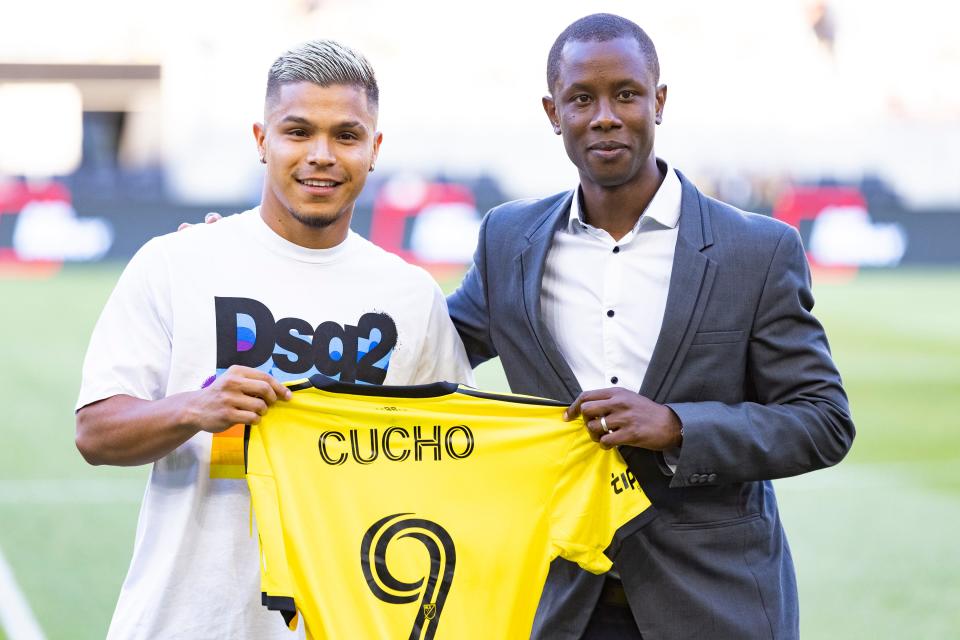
[{"x": 746, "y": 367}]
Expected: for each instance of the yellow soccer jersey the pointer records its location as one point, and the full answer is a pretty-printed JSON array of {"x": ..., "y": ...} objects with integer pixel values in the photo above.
[{"x": 428, "y": 511}]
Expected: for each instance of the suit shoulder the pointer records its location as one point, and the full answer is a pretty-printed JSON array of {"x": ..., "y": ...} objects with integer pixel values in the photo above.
[
  {"x": 728, "y": 219},
  {"x": 527, "y": 210}
]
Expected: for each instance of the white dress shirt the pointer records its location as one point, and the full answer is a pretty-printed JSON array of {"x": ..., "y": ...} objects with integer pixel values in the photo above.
[{"x": 603, "y": 300}]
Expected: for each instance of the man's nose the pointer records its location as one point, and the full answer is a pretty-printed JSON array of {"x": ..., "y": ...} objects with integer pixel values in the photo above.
[
  {"x": 605, "y": 117},
  {"x": 321, "y": 152}
]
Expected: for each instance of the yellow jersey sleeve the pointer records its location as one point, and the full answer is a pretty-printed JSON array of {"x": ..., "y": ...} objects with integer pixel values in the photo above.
[
  {"x": 597, "y": 502},
  {"x": 276, "y": 585}
]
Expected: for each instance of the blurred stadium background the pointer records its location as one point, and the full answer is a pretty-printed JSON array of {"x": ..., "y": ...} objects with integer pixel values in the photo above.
[{"x": 118, "y": 120}]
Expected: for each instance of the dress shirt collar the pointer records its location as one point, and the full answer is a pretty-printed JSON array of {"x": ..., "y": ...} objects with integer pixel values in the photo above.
[{"x": 664, "y": 208}]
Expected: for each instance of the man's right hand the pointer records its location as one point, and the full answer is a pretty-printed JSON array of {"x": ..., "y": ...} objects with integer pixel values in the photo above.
[
  {"x": 210, "y": 218},
  {"x": 240, "y": 395},
  {"x": 123, "y": 430}
]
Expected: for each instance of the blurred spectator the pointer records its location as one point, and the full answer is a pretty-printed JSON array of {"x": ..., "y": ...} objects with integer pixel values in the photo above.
[{"x": 821, "y": 18}]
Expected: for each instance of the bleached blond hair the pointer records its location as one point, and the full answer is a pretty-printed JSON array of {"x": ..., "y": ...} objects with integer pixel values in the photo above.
[{"x": 324, "y": 63}]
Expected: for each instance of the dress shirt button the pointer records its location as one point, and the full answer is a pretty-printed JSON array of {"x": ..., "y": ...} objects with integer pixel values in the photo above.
[
  {"x": 616, "y": 249},
  {"x": 609, "y": 313},
  {"x": 712, "y": 477},
  {"x": 614, "y": 379}
]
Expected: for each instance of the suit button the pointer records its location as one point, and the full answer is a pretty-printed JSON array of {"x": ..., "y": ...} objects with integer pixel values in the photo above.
[
  {"x": 712, "y": 477},
  {"x": 695, "y": 478}
]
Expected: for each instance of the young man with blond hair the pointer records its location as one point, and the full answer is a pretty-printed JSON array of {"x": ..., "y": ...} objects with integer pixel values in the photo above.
[{"x": 205, "y": 325}]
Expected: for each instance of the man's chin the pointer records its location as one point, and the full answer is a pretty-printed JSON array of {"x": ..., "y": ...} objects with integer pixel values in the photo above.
[
  {"x": 610, "y": 181},
  {"x": 316, "y": 220},
  {"x": 609, "y": 176}
]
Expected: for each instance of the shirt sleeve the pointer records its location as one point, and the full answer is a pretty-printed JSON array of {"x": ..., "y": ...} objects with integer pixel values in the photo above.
[
  {"x": 276, "y": 584},
  {"x": 129, "y": 351},
  {"x": 596, "y": 504},
  {"x": 443, "y": 357}
]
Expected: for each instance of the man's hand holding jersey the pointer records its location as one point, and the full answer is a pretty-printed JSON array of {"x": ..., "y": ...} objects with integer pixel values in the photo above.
[
  {"x": 239, "y": 396},
  {"x": 616, "y": 416},
  {"x": 124, "y": 430}
]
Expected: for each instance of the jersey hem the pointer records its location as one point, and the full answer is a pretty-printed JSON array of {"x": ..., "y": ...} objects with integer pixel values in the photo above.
[{"x": 284, "y": 604}]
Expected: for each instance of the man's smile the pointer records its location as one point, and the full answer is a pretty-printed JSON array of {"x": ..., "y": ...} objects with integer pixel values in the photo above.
[
  {"x": 608, "y": 149},
  {"x": 319, "y": 186}
]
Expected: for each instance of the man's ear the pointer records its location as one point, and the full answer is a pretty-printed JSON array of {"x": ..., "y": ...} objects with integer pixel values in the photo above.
[
  {"x": 661, "y": 101},
  {"x": 551, "y": 109},
  {"x": 377, "y": 139},
  {"x": 260, "y": 135}
]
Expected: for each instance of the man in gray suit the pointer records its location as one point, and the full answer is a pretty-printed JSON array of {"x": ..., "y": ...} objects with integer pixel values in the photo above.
[{"x": 690, "y": 323}]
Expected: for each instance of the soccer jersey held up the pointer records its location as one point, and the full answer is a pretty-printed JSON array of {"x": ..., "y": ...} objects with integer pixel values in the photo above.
[{"x": 429, "y": 511}]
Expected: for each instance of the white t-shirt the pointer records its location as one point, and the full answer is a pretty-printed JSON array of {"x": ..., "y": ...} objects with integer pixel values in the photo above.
[{"x": 189, "y": 305}]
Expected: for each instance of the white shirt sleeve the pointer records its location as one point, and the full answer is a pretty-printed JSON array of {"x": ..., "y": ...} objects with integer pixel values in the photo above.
[
  {"x": 129, "y": 351},
  {"x": 443, "y": 357}
]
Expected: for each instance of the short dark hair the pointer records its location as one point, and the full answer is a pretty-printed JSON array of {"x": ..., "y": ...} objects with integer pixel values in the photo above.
[
  {"x": 324, "y": 63},
  {"x": 601, "y": 27}
]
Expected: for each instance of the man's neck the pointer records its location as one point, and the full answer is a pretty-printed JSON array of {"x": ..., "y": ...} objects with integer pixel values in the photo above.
[
  {"x": 617, "y": 209},
  {"x": 287, "y": 227}
]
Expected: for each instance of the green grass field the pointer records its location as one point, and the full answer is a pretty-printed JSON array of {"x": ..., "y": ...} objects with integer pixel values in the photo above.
[{"x": 873, "y": 538}]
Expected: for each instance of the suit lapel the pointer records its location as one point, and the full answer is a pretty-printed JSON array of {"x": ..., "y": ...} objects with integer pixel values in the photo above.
[
  {"x": 532, "y": 262},
  {"x": 690, "y": 283}
]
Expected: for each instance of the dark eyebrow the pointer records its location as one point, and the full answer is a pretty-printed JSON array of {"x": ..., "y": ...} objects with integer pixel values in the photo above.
[
  {"x": 578, "y": 86},
  {"x": 352, "y": 124},
  {"x": 299, "y": 120},
  {"x": 296, "y": 120}
]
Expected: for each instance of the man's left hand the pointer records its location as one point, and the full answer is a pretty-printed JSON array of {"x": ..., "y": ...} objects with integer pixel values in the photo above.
[
  {"x": 210, "y": 218},
  {"x": 628, "y": 419}
]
